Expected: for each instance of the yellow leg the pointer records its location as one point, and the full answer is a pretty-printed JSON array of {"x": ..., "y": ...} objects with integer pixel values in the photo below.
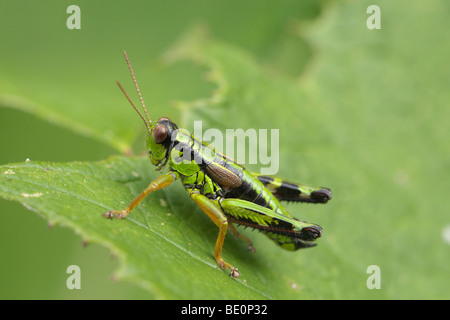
[
  {"x": 158, "y": 183},
  {"x": 221, "y": 221}
]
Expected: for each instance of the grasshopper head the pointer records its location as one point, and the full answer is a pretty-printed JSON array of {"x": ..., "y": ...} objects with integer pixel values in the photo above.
[{"x": 159, "y": 141}]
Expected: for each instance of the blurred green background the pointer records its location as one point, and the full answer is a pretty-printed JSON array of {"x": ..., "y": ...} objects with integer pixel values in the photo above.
[{"x": 382, "y": 146}]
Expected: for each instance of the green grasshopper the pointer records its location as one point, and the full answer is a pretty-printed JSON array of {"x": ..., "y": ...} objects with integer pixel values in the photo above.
[{"x": 223, "y": 189}]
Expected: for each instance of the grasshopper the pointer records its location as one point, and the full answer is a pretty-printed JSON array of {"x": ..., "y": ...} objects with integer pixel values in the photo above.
[{"x": 223, "y": 189}]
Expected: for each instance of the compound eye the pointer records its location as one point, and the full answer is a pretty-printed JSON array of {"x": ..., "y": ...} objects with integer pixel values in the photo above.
[{"x": 159, "y": 133}]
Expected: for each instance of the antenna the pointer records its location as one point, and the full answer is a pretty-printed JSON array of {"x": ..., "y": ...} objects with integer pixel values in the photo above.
[
  {"x": 129, "y": 99},
  {"x": 137, "y": 88}
]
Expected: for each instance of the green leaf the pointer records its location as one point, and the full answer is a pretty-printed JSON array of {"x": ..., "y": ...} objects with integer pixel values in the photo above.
[
  {"x": 367, "y": 118},
  {"x": 161, "y": 246},
  {"x": 165, "y": 249},
  {"x": 74, "y": 88}
]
